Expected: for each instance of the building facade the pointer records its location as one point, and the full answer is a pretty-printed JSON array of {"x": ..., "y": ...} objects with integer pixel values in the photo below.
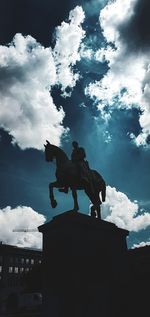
[
  {"x": 15, "y": 264},
  {"x": 86, "y": 270}
]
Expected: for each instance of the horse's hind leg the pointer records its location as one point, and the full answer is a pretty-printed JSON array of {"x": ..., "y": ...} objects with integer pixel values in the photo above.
[
  {"x": 98, "y": 208},
  {"x": 103, "y": 193},
  {"x": 74, "y": 195},
  {"x": 93, "y": 212},
  {"x": 51, "y": 194}
]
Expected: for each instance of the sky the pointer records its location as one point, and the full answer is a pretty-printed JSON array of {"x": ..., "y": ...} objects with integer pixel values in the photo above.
[{"x": 74, "y": 70}]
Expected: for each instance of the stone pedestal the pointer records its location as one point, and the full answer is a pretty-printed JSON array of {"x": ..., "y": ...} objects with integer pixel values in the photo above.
[{"x": 84, "y": 266}]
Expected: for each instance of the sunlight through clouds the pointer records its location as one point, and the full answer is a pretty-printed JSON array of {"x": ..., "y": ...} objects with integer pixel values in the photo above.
[{"x": 128, "y": 76}]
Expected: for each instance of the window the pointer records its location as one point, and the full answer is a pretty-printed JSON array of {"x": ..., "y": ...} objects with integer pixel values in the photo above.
[
  {"x": 40, "y": 261},
  {"x": 11, "y": 260},
  {"x": 16, "y": 269},
  {"x": 32, "y": 261},
  {"x": 27, "y": 261},
  {"x": 1, "y": 259},
  {"x": 22, "y": 260},
  {"x": 0, "y": 268},
  {"x": 27, "y": 269},
  {"x": 21, "y": 269},
  {"x": 10, "y": 270}
]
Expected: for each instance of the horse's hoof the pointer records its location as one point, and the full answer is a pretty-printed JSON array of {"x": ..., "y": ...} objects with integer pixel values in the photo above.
[{"x": 54, "y": 204}]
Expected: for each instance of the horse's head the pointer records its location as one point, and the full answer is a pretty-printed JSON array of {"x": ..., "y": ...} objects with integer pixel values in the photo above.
[{"x": 49, "y": 152}]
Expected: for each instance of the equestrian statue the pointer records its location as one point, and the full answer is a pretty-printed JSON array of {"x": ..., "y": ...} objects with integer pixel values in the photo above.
[{"x": 75, "y": 174}]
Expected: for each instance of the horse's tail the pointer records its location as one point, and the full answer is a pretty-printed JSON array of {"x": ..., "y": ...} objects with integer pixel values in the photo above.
[
  {"x": 104, "y": 192},
  {"x": 100, "y": 184}
]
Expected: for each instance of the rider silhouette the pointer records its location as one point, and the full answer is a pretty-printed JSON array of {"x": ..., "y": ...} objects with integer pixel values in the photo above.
[
  {"x": 78, "y": 153},
  {"x": 78, "y": 157}
]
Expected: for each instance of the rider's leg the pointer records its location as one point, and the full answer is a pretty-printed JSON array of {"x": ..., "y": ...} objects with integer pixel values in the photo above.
[{"x": 64, "y": 190}]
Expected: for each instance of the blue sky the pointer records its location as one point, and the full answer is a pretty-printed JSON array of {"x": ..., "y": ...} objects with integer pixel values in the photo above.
[{"x": 78, "y": 70}]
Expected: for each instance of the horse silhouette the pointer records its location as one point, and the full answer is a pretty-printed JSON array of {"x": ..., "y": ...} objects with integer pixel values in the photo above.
[{"x": 67, "y": 175}]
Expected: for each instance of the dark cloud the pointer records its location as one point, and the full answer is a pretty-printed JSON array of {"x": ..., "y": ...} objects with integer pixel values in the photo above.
[
  {"x": 135, "y": 31},
  {"x": 9, "y": 76},
  {"x": 39, "y": 18},
  {"x": 34, "y": 17}
]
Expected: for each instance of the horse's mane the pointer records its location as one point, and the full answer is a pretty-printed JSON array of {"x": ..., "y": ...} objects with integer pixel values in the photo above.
[{"x": 60, "y": 151}]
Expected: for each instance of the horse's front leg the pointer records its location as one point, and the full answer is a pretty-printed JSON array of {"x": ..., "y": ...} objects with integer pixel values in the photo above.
[
  {"x": 74, "y": 195},
  {"x": 51, "y": 194}
]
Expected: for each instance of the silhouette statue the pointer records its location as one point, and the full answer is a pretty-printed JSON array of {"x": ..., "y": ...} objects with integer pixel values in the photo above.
[
  {"x": 78, "y": 158},
  {"x": 76, "y": 175}
]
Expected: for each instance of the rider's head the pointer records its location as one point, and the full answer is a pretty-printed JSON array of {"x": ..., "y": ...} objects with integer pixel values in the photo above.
[{"x": 75, "y": 144}]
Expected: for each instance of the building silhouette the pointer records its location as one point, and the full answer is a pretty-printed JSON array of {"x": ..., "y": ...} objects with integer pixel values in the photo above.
[
  {"x": 138, "y": 282},
  {"x": 87, "y": 270},
  {"x": 15, "y": 264}
]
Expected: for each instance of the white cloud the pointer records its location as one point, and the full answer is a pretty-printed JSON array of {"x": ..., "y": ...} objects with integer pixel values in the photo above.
[
  {"x": 27, "y": 73},
  {"x": 27, "y": 110},
  {"x": 141, "y": 244},
  {"x": 69, "y": 37},
  {"x": 120, "y": 210},
  {"x": 128, "y": 77},
  {"x": 20, "y": 217},
  {"x": 115, "y": 13}
]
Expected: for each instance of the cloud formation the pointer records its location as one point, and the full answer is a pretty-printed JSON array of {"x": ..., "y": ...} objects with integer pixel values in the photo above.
[
  {"x": 135, "y": 32},
  {"x": 28, "y": 71},
  {"x": 141, "y": 244},
  {"x": 127, "y": 82},
  {"x": 27, "y": 111},
  {"x": 119, "y": 210},
  {"x": 21, "y": 217},
  {"x": 69, "y": 37}
]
